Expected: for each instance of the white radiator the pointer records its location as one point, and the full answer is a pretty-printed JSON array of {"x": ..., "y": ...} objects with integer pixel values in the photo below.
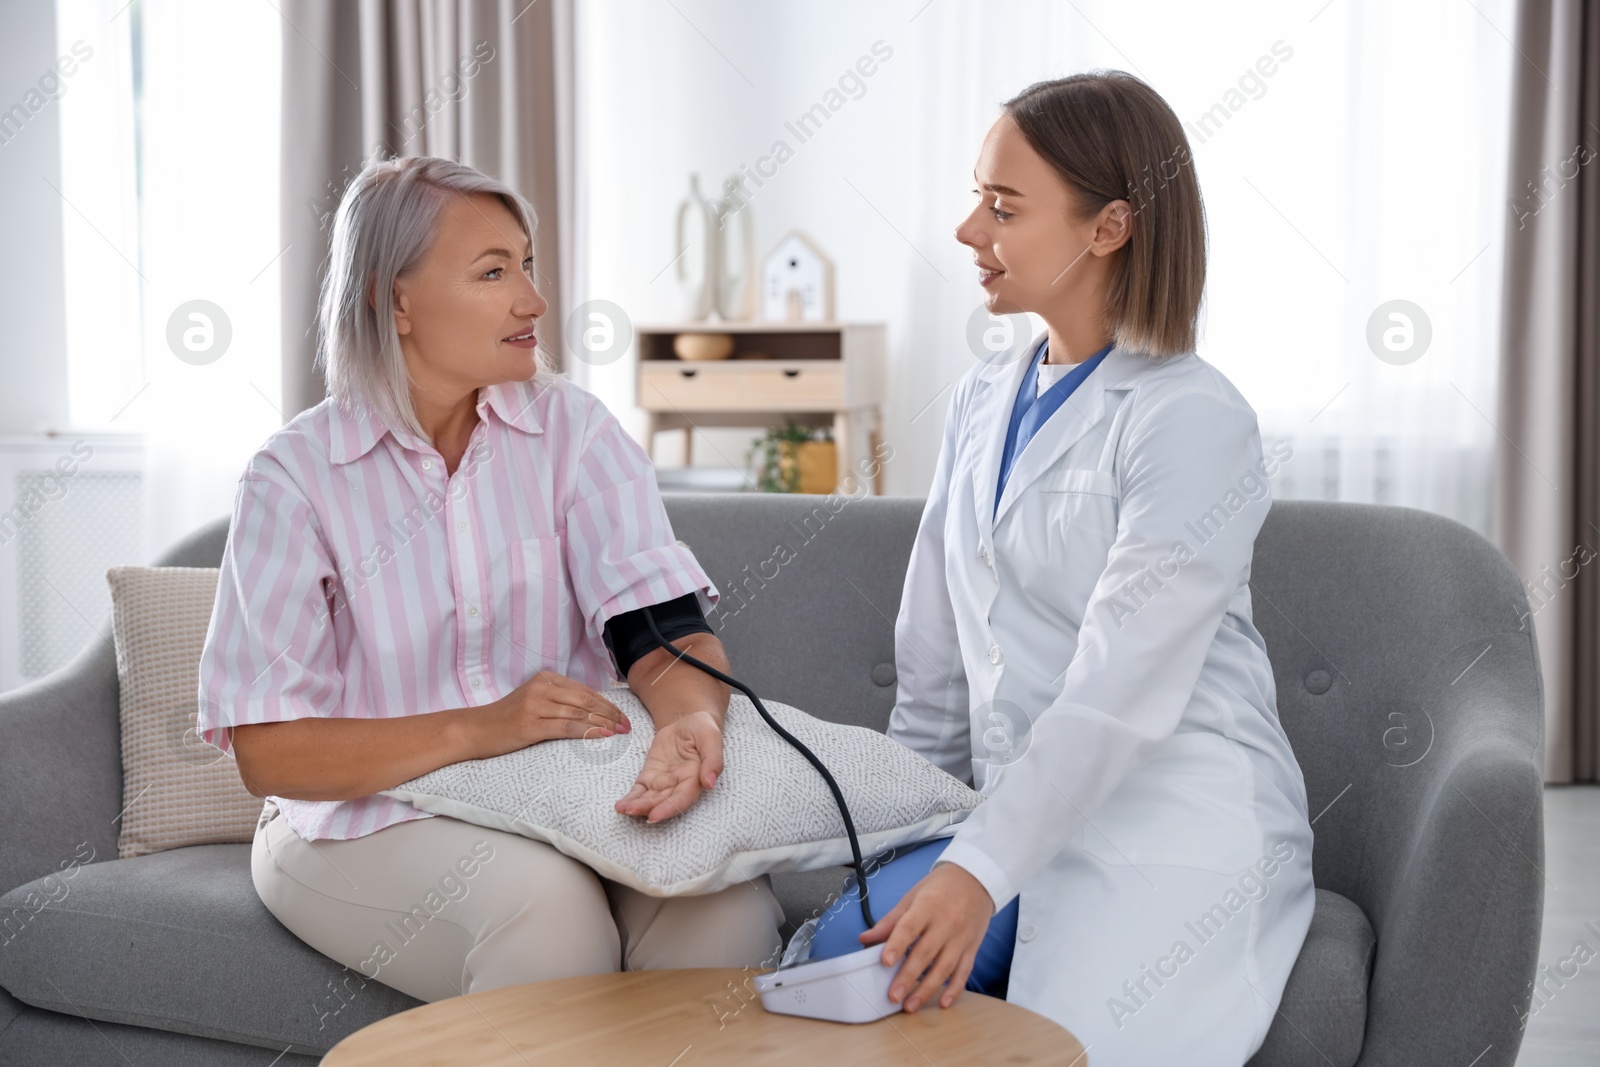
[{"x": 71, "y": 505}]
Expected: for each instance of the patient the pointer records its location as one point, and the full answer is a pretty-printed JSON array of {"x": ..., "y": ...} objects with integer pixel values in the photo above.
[{"x": 448, "y": 560}]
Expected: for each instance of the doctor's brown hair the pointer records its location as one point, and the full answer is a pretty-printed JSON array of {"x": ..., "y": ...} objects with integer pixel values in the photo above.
[{"x": 1112, "y": 137}]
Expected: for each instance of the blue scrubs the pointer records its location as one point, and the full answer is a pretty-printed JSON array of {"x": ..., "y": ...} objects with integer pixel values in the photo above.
[
  {"x": 1031, "y": 411},
  {"x": 839, "y": 928}
]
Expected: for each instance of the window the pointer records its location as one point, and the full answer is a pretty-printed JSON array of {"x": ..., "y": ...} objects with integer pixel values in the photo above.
[{"x": 170, "y": 159}]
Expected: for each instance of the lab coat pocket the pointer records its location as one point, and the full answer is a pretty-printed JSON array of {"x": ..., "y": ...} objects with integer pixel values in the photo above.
[
  {"x": 540, "y": 611},
  {"x": 1079, "y": 480},
  {"x": 1082, "y": 501},
  {"x": 1191, "y": 805},
  {"x": 1061, "y": 536}
]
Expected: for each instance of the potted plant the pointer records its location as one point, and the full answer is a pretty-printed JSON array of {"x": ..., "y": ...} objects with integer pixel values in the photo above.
[{"x": 795, "y": 459}]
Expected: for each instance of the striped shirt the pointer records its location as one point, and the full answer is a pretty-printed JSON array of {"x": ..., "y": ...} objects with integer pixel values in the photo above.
[{"x": 361, "y": 580}]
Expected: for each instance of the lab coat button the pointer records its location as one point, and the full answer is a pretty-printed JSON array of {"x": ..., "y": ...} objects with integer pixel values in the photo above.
[
  {"x": 1027, "y": 933},
  {"x": 994, "y": 655},
  {"x": 983, "y": 553}
]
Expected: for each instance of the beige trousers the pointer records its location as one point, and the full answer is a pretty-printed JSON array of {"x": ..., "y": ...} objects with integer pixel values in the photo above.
[{"x": 439, "y": 907}]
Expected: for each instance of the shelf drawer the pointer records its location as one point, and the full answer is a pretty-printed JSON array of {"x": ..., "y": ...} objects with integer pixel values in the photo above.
[{"x": 800, "y": 386}]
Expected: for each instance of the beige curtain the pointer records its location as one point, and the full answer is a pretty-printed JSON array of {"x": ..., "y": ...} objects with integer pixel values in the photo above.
[
  {"x": 1547, "y": 497},
  {"x": 486, "y": 82}
]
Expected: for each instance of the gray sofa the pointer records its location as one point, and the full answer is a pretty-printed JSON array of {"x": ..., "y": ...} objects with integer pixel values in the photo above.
[{"x": 1406, "y": 682}]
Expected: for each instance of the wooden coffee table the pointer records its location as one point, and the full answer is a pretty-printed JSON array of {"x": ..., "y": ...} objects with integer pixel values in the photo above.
[{"x": 689, "y": 1018}]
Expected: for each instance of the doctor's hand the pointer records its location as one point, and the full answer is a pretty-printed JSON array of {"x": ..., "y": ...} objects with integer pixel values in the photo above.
[
  {"x": 684, "y": 758},
  {"x": 943, "y": 918}
]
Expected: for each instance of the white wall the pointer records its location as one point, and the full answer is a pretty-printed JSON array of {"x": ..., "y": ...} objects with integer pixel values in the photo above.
[
  {"x": 33, "y": 362},
  {"x": 661, "y": 102}
]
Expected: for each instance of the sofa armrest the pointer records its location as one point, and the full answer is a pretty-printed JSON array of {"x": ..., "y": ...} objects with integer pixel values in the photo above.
[
  {"x": 61, "y": 749},
  {"x": 61, "y": 768},
  {"x": 1457, "y": 897}
]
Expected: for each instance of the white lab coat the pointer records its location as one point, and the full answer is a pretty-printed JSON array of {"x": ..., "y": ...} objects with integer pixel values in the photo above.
[{"x": 1089, "y": 657}]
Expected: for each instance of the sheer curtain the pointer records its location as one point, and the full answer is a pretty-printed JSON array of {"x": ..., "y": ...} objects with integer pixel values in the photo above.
[
  {"x": 170, "y": 159},
  {"x": 1366, "y": 167},
  {"x": 1350, "y": 153},
  {"x": 209, "y": 226}
]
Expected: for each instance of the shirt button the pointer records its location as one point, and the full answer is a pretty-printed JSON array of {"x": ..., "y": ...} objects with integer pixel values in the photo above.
[
  {"x": 994, "y": 655},
  {"x": 427, "y": 464},
  {"x": 1027, "y": 933},
  {"x": 461, "y": 524},
  {"x": 476, "y": 682},
  {"x": 472, "y": 611}
]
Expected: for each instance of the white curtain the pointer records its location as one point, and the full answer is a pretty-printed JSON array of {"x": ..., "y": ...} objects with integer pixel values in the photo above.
[
  {"x": 170, "y": 156},
  {"x": 210, "y": 232},
  {"x": 1366, "y": 167}
]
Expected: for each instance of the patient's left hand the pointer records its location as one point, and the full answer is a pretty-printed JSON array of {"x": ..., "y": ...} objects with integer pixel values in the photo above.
[
  {"x": 684, "y": 758},
  {"x": 943, "y": 920}
]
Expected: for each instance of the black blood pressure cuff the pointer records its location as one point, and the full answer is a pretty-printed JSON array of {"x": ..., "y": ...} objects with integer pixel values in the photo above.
[{"x": 628, "y": 635}]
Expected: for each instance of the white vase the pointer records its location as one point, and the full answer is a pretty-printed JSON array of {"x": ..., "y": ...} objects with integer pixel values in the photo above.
[
  {"x": 736, "y": 254},
  {"x": 697, "y": 230}
]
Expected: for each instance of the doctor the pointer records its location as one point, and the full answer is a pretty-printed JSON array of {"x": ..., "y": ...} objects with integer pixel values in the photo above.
[{"x": 1076, "y": 627}]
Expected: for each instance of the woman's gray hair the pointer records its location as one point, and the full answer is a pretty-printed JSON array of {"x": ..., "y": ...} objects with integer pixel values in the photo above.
[{"x": 384, "y": 226}]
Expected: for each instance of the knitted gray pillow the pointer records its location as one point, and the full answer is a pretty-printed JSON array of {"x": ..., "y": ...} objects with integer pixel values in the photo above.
[{"x": 770, "y": 809}]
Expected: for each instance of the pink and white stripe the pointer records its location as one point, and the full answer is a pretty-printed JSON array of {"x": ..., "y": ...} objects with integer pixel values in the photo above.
[{"x": 359, "y": 580}]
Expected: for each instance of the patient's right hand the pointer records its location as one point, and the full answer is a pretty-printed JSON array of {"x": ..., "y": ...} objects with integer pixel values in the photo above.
[{"x": 546, "y": 707}]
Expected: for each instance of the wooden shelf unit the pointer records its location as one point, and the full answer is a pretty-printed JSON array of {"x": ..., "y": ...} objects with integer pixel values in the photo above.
[{"x": 818, "y": 374}]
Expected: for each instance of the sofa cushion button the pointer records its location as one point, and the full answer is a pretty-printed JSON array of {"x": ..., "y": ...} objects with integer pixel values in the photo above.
[
  {"x": 883, "y": 674},
  {"x": 1318, "y": 682}
]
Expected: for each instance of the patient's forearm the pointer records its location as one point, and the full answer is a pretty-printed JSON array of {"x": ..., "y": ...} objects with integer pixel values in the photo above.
[
  {"x": 344, "y": 759},
  {"x": 671, "y": 689}
]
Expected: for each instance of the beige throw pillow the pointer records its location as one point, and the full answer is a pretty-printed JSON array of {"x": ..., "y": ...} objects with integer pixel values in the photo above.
[{"x": 176, "y": 789}]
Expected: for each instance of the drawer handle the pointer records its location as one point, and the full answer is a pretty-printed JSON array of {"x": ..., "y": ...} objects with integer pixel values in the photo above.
[
  {"x": 688, "y": 373},
  {"x": 791, "y": 374}
]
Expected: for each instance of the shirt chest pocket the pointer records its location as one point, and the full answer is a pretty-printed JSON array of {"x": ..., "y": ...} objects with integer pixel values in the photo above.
[{"x": 539, "y": 612}]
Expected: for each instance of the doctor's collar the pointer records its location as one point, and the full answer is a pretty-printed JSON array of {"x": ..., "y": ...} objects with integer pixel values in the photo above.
[{"x": 1119, "y": 365}]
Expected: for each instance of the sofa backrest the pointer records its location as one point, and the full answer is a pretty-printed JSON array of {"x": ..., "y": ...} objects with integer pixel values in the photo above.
[
  {"x": 1394, "y": 634},
  {"x": 1366, "y": 610},
  {"x": 810, "y": 587},
  {"x": 1396, "y": 637}
]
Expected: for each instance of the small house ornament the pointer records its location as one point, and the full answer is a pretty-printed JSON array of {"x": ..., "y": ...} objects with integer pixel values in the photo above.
[{"x": 797, "y": 282}]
